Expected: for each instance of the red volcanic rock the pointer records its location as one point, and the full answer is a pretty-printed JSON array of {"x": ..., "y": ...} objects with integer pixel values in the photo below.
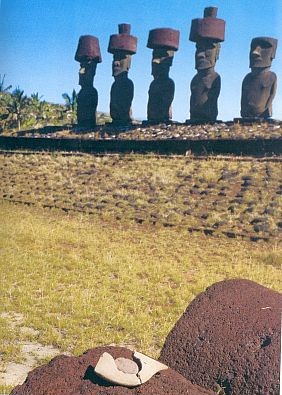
[
  {"x": 123, "y": 41},
  {"x": 209, "y": 27},
  {"x": 163, "y": 38},
  {"x": 75, "y": 376},
  {"x": 88, "y": 49},
  {"x": 229, "y": 337}
]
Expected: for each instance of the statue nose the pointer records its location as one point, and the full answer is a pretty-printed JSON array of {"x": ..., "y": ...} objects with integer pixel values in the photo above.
[
  {"x": 256, "y": 51},
  {"x": 201, "y": 55}
]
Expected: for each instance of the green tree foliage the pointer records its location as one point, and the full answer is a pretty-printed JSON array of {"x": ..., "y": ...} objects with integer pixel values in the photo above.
[
  {"x": 4, "y": 101},
  {"x": 3, "y": 88},
  {"x": 71, "y": 105},
  {"x": 17, "y": 106},
  {"x": 20, "y": 112}
]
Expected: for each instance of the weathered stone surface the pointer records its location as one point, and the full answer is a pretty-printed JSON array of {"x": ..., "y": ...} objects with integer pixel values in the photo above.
[
  {"x": 259, "y": 86},
  {"x": 205, "y": 89},
  {"x": 88, "y": 54},
  {"x": 205, "y": 86},
  {"x": 149, "y": 366},
  {"x": 161, "y": 91},
  {"x": 87, "y": 98},
  {"x": 107, "y": 369},
  {"x": 126, "y": 365},
  {"x": 122, "y": 92},
  {"x": 128, "y": 373},
  {"x": 229, "y": 337},
  {"x": 122, "y": 46},
  {"x": 163, "y": 41},
  {"x": 76, "y": 376}
]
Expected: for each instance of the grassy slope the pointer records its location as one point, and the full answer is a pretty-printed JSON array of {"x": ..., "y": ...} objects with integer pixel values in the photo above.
[
  {"x": 242, "y": 197},
  {"x": 97, "y": 277},
  {"x": 83, "y": 282}
]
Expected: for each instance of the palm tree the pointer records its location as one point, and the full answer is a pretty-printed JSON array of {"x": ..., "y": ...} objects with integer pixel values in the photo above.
[
  {"x": 17, "y": 105},
  {"x": 4, "y": 89},
  {"x": 37, "y": 107},
  {"x": 71, "y": 104},
  {"x": 70, "y": 101},
  {"x": 35, "y": 98},
  {"x": 4, "y": 100}
]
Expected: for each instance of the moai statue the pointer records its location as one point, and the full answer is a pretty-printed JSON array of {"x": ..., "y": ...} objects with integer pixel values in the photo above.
[
  {"x": 259, "y": 86},
  {"x": 164, "y": 42},
  {"x": 122, "y": 46},
  {"x": 88, "y": 55},
  {"x": 207, "y": 33}
]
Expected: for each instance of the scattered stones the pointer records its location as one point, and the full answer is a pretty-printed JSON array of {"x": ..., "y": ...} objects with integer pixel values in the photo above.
[
  {"x": 164, "y": 131},
  {"x": 257, "y": 220},
  {"x": 204, "y": 215},
  {"x": 269, "y": 211},
  {"x": 247, "y": 181},
  {"x": 77, "y": 376},
  {"x": 228, "y": 339},
  {"x": 263, "y": 227},
  {"x": 179, "y": 190}
]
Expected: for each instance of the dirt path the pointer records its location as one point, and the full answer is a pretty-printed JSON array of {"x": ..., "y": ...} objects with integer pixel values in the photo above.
[{"x": 32, "y": 352}]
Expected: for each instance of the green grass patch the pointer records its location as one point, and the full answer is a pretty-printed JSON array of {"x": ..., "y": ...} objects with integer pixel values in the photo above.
[{"x": 5, "y": 389}]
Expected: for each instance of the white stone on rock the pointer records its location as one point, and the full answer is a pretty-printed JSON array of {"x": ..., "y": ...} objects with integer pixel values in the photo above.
[
  {"x": 127, "y": 365},
  {"x": 125, "y": 372}
]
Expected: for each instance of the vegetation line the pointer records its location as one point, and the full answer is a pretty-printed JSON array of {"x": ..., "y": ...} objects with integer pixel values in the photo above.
[{"x": 228, "y": 158}]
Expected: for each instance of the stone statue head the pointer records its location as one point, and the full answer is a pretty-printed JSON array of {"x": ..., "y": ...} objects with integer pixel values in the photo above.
[
  {"x": 207, "y": 53},
  {"x": 122, "y": 45},
  {"x": 207, "y": 33},
  {"x": 86, "y": 73},
  {"x": 262, "y": 52},
  {"x": 121, "y": 63},
  {"x": 161, "y": 62}
]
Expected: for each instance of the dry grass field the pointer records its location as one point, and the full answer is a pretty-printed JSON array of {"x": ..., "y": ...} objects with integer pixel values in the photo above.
[{"x": 111, "y": 249}]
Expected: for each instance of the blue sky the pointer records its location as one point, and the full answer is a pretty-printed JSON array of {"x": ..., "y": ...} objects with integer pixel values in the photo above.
[{"x": 38, "y": 39}]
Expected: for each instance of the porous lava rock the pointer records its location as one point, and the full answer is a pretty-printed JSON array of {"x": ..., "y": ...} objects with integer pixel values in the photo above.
[
  {"x": 229, "y": 338},
  {"x": 75, "y": 376}
]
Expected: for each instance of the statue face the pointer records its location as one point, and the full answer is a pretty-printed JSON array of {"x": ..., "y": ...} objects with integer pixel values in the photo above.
[
  {"x": 86, "y": 73},
  {"x": 161, "y": 62},
  {"x": 121, "y": 63},
  {"x": 207, "y": 53},
  {"x": 261, "y": 53}
]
